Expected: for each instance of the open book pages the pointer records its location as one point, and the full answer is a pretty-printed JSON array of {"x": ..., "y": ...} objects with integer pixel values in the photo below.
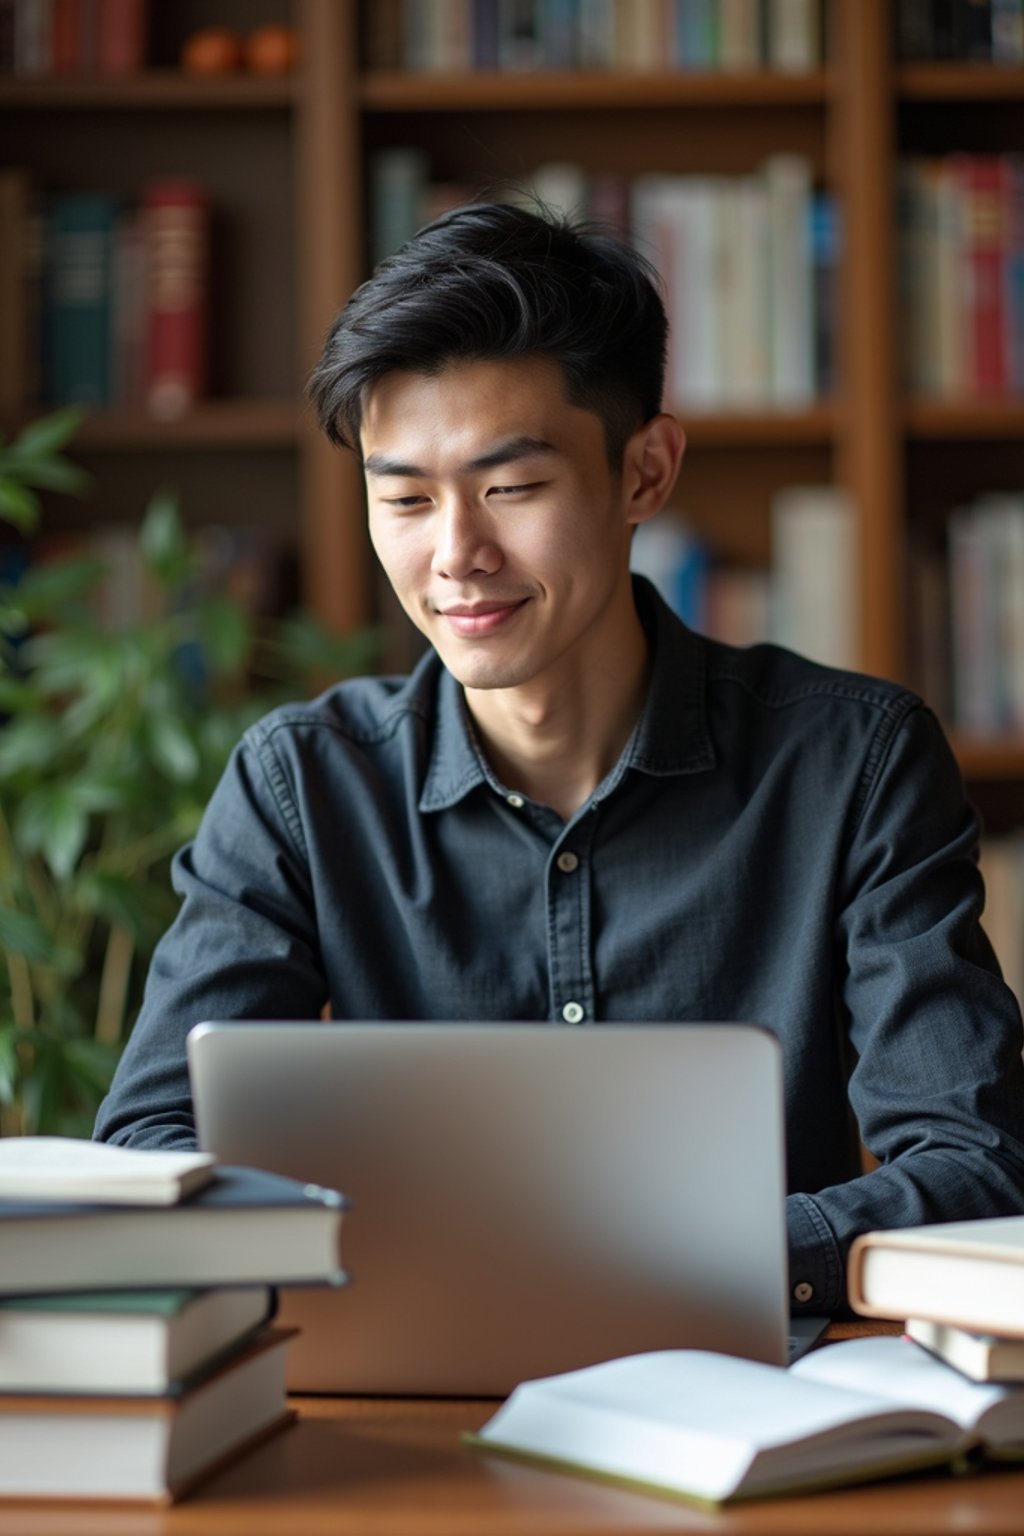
[
  {"x": 62, "y": 1169},
  {"x": 711, "y": 1427}
]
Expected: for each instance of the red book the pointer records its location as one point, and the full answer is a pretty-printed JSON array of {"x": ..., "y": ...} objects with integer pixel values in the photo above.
[
  {"x": 65, "y": 37},
  {"x": 984, "y": 208},
  {"x": 176, "y": 221},
  {"x": 121, "y": 36}
]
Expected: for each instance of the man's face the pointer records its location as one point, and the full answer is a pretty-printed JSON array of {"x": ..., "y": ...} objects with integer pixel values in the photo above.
[{"x": 497, "y": 519}]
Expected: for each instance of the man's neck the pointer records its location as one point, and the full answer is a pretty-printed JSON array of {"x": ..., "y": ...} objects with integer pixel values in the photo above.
[{"x": 556, "y": 739}]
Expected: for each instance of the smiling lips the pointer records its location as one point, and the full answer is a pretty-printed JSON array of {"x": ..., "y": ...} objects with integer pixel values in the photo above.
[{"x": 473, "y": 621}]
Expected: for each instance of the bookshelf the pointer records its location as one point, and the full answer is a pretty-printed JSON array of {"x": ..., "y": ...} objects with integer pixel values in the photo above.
[{"x": 288, "y": 159}]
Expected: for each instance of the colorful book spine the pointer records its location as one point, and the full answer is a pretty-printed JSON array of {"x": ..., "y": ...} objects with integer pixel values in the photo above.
[
  {"x": 78, "y": 291},
  {"x": 176, "y": 215},
  {"x": 983, "y": 255}
]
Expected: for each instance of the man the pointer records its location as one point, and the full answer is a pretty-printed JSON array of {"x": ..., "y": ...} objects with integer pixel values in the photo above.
[{"x": 575, "y": 809}]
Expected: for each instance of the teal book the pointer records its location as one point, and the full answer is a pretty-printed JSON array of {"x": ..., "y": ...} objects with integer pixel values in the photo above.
[{"x": 78, "y": 299}]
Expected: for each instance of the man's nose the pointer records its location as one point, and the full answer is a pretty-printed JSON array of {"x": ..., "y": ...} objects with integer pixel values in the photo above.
[{"x": 465, "y": 541}]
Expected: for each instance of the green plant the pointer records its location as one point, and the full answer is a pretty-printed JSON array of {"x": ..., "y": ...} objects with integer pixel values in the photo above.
[{"x": 111, "y": 742}]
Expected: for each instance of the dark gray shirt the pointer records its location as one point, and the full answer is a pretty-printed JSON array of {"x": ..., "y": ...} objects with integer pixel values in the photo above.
[{"x": 779, "y": 843}]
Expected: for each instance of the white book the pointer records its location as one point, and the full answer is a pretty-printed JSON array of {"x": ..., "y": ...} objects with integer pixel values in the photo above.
[
  {"x": 739, "y": 34},
  {"x": 814, "y": 573},
  {"x": 794, "y": 35},
  {"x": 123, "y": 1342},
  {"x": 711, "y": 1428},
  {"x": 968, "y": 1273},
  {"x": 746, "y": 342},
  {"x": 143, "y": 1448},
  {"x": 981, "y": 1356},
  {"x": 791, "y": 309},
  {"x": 691, "y": 214},
  {"x": 60, "y": 1168}
]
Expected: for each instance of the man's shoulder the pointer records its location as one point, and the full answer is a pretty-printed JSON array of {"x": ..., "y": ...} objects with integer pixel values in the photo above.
[
  {"x": 775, "y": 678},
  {"x": 360, "y": 710}
]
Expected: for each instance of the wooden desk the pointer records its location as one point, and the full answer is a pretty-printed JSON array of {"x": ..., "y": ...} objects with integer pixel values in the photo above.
[{"x": 372, "y": 1467}]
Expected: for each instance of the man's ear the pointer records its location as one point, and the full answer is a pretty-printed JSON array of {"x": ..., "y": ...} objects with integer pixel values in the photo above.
[{"x": 650, "y": 466}]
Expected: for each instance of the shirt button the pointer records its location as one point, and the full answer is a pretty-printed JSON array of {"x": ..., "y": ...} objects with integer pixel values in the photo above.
[
  {"x": 572, "y": 1013},
  {"x": 803, "y": 1291},
  {"x": 567, "y": 862},
  {"x": 516, "y": 801}
]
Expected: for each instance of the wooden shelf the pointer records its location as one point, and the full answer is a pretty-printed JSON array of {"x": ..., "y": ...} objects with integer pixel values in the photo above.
[
  {"x": 496, "y": 91},
  {"x": 151, "y": 89},
  {"x": 994, "y": 759},
  {"x": 214, "y": 424},
  {"x": 959, "y": 82},
  {"x": 967, "y": 418},
  {"x": 809, "y": 425}
]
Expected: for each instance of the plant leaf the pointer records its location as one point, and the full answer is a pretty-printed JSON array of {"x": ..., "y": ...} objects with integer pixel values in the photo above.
[
  {"x": 52, "y": 823},
  {"x": 25, "y": 935},
  {"x": 172, "y": 748},
  {"x": 49, "y": 434},
  {"x": 29, "y": 742},
  {"x": 18, "y": 505},
  {"x": 162, "y": 537}
]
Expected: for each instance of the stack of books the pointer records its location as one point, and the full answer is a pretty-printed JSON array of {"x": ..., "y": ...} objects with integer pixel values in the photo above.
[
  {"x": 959, "y": 1286},
  {"x": 137, "y": 1351}
]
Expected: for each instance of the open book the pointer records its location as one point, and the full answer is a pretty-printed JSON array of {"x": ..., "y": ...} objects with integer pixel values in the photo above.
[{"x": 711, "y": 1427}]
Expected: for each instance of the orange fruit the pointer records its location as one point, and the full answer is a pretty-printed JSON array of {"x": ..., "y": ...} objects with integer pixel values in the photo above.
[
  {"x": 211, "y": 51},
  {"x": 272, "y": 50}
]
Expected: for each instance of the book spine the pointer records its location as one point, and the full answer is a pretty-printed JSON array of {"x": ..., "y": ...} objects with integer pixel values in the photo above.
[
  {"x": 485, "y": 34},
  {"x": 77, "y": 299},
  {"x": 792, "y": 328},
  {"x": 121, "y": 36},
  {"x": 33, "y": 37},
  {"x": 596, "y": 34},
  {"x": 982, "y": 210},
  {"x": 14, "y": 208},
  {"x": 1008, "y": 32},
  {"x": 814, "y": 566},
  {"x": 826, "y": 258},
  {"x": 176, "y": 215},
  {"x": 65, "y": 41},
  {"x": 398, "y": 179},
  {"x": 794, "y": 43}
]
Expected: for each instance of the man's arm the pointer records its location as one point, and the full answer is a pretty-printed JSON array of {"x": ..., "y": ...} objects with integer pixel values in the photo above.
[
  {"x": 244, "y": 945},
  {"x": 938, "y": 1088}
]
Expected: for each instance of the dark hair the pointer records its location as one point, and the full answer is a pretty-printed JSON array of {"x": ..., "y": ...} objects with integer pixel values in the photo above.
[{"x": 489, "y": 281}]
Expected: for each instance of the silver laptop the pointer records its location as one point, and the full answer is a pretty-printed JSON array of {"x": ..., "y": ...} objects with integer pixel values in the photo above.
[{"x": 526, "y": 1198}]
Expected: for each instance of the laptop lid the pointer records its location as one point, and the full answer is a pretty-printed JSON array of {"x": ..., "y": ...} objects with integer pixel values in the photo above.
[{"x": 526, "y": 1198}]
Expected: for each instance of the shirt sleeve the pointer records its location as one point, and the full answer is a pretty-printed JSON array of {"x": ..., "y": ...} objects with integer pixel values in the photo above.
[
  {"x": 244, "y": 945},
  {"x": 938, "y": 1085}
]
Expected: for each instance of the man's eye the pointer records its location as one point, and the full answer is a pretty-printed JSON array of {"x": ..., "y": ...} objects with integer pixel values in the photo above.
[
  {"x": 404, "y": 501},
  {"x": 513, "y": 490}
]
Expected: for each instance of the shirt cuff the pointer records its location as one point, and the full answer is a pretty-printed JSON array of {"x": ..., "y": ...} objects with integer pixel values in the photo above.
[{"x": 817, "y": 1273}]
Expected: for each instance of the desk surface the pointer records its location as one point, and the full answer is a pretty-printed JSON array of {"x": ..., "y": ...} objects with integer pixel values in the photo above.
[{"x": 371, "y": 1467}]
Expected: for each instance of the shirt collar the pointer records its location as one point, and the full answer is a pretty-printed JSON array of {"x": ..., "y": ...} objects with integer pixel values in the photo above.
[{"x": 671, "y": 736}]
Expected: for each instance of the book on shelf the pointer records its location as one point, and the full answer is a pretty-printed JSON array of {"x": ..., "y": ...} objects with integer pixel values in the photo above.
[
  {"x": 968, "y": 1273},
  {"x": 712, "y": 1428},
  {"x": 960, "y": 243},
  {"x": 642, "y": 35},
  {"x": 125, "y": 1343},
  {"x": 978, "y": 31},
  {"x": 73, "y": 37},
  {"x": 150, "y": 1448},
  {"x": 814, "y": 566},
  {"x": 65, "y": 1169},
  {"x": 985, "y": 543},
  {"x": 245, "y": 1227},
  {"x": 177, "y": 219},
  {"x": 14, "y": 213},
  {"x": 77, "y": 298},
  {"x": 1002, "y": 867},
  {"x": 981, "y": 1356}
]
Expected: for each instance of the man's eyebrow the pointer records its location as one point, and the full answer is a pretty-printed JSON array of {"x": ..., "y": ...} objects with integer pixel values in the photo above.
[{"x": 506, "y": 452}]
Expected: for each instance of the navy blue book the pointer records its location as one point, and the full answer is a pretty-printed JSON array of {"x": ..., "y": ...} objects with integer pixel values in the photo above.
[{"x": 246, "y": 1227}]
